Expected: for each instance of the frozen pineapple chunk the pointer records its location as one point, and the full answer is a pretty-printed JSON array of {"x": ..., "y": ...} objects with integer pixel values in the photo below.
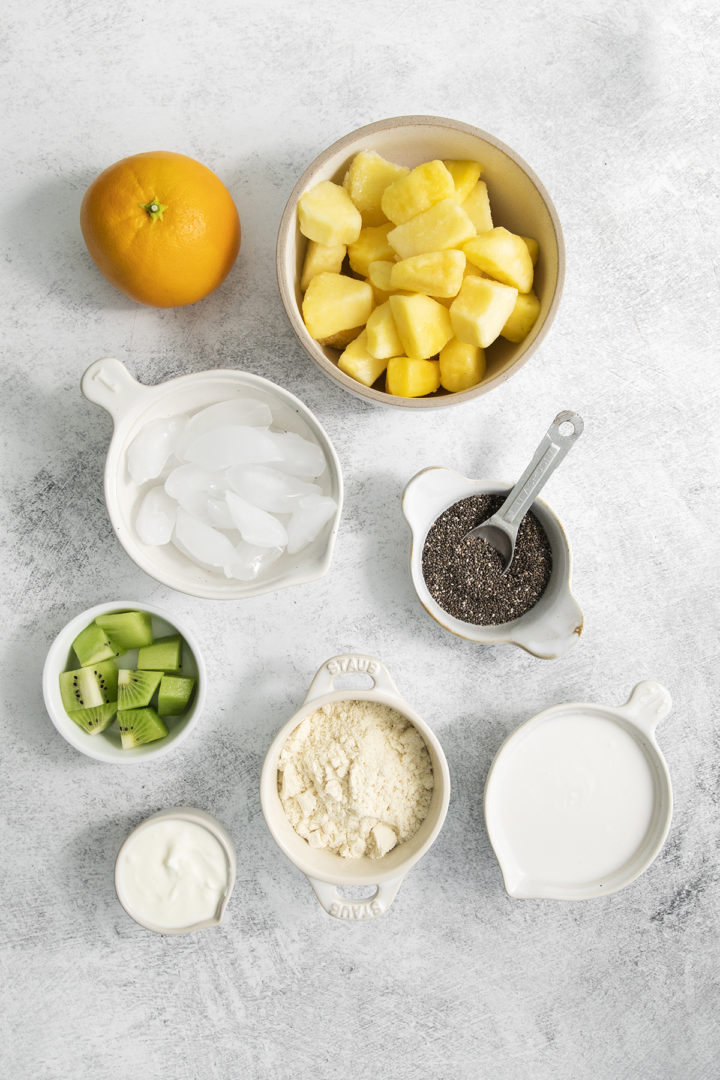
[
  {"x": 424, "y": 186},
  {"x": 422, "y": 324},
  {"x": 407, "y": 377},
  {"x": 461, "y": 365},
  {"x": 320, "y": 258},
  {"x": 465, "y": 176},
  {"x": 445, "y": 225},
  {"x": 438, "y": 273},
  {"x": 365, "y": 181},
  {"x": 477, "y": 207},
  {"x": 326, "y": 214},
  {"x": 504, "y": 256},
  {"x": 379, "y": 273},
  {"x": 383, "y": 339},
  {"x": 480, "y": 310},
  {"x": 533, "y": 247},
  {"x": 522, "y": 317},
  {"x": 357, "y": 362},
  {"x": 334, "y": 303},
  {"x": 370, "y": 246}
]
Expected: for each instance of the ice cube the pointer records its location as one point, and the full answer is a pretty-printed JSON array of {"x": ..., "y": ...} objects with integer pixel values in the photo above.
[
  {"x": 269, "y": 489},
  {"x": 254, "y": 525},
  {"x": 189, "y": 478},
  {"x": 201, "y": 542},
  {"x": 297, "y": 456},
  {"x": 219, "y": 514},
  {"x": 225, "y": 446},
  {"x": 304, "y": 526},
  {"x": 246, "y": 412},
  {"x": 152, "y": 446},
  {"x": 249, "y": 561},
  {"x": 155, "y": 519}
]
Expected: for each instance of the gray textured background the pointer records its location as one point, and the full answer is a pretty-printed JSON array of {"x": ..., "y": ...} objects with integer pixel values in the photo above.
[{"x": 615, "y": 106}]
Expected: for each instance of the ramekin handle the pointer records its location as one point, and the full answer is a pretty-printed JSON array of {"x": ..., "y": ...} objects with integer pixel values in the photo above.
[
  {"x": 350, "y": 664},
  {"x": 424, "y": 488},
  {"x": 108, "y": 383},
  {"x": 648, "y": 704},
  {"x": 356, "y": 910},
  {"x": 552, "y": 635}
]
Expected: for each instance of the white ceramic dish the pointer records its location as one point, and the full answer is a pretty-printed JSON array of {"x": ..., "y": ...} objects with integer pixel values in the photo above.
[
  {"x": 324, "y": 870},
  {"x": 578, "y": 800},
  {"x": 519, "y": 202},
  {"x": 196, "y": 817},
  {"x": 108, "y": 383},
  {"x": 105, "y": 746},
  {"x": 549, "y": 628}
]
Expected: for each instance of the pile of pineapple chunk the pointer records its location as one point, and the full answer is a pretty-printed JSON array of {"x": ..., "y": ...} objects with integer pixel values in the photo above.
[{"x": 429, "y": 284}]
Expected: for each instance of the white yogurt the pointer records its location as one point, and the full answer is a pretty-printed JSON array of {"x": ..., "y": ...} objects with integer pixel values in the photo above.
[
  {"x": 571, "y": 801},
  {"x": 173, "y": 874}
]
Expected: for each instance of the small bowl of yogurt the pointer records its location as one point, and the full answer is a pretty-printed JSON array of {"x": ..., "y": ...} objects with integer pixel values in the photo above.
[{"x": 175, "y": 872}]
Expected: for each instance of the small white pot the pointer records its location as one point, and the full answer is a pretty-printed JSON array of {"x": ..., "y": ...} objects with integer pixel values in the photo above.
[
  {"x": 549, "y": 628},
  {"x": 196, "y": 817},
  {"x": 132, "y": 405},
  {"x": 325, "y": 870}
]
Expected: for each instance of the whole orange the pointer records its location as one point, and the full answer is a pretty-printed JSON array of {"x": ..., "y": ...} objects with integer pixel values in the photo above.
[{"x": 161, "y": 227}]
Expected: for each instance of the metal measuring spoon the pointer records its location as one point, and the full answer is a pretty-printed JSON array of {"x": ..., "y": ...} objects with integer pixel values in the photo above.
[{"x": 500, "y": 530}]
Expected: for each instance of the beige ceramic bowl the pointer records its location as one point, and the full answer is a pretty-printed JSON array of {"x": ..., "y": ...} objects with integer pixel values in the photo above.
[{"x": 518, "y": 200}]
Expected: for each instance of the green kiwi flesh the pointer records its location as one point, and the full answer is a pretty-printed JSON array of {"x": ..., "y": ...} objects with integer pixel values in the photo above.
[
  {"x": 136, "y": 688},
  {"x": 174, "y": 694},
  {"x": 127, "y": 629},
  {"x": 89, "y": 687},
  {"x": 139, "y": 726},
  {"x": 92, "y": 645},
  {"x": 163, "y": 655},
  {"x": 92, "y": 721}
]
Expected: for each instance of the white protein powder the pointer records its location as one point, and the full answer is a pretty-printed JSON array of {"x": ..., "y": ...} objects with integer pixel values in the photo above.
[{"x": 355, "y": 778}]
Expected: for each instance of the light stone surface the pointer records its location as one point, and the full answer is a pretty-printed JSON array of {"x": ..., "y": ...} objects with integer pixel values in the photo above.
[{"x": 615, "y": 107}]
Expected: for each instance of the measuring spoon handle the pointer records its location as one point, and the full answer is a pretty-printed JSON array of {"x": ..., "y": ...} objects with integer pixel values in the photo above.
[{"x": 553, "y": 447}]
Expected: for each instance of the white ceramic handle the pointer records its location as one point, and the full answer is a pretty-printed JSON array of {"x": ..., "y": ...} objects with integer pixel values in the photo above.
[
  {"x": 351, "y": 664},
  {"x": 356, "y": 910},
  {"x": 648, "y": 704},
  {"x": 553, "y": 447},
  {"x": 108, "y": 383},
  {"x": 427, "y": 486},
  {"x": 561, "y": 628}
]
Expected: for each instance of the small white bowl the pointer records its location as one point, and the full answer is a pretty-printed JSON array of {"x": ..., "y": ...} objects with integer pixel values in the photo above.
[
  {"x": 105, "y": 745},
  {"x": 324, "y": 870},
  {"x": 548, "y": 629},
  {"x": 598, "y": 807},
  {"x": 195, "y": 817},
  {"x": 519, "y": 202},
  {"x": 132, "y": 405}
]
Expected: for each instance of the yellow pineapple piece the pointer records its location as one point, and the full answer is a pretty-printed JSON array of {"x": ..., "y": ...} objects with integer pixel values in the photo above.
[
  {"x": 320, "y": 258},
  {"x": 461, "y": 365},
  {"x": 370, "y": 246},
  {"x": 480, "y": 310},
  {"x": 422, "y": 324},
  {"x": 326, "y": 214},
  {"x": 334, "y": 302},
  {"x": 365, "y": 181},
  {"x": 357, "y": 362},
  {"x": 379, "y": 274},
  {"x": 424, "y": 186},
  {"x": 445, "y": 225},
  {"x": 407, "y": 377},
  {"x": 533, "y": 247},
  {"x": 383, "y": 339},
  {"x": 465, "y": 176},
  {"x": 522, "y": 317},
  {"x": 504, "y": 256},
  {"x": 438, "y": 273},
  {"x": 340, "y": 339},
  {"x": 477, "y": 207},
  {"x": 473, "y": 271}
]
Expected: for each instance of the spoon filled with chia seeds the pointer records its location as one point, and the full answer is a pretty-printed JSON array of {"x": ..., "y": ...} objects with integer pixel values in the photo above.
[{"x": 500, "y": 530}]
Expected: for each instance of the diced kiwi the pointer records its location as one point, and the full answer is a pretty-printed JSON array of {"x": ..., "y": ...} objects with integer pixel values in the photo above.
[
  {"x": 136, "y": 688},
  {"x": 138, "y": 726},
  {"x": 88, "y": 687},
  {"x": 94, "y": 720},
  {"x": 163, "y": 655},
  {"x": 174, "y": 694},
  {"x": 92, "y": 645},
  {"x": 127, "y": 629}
]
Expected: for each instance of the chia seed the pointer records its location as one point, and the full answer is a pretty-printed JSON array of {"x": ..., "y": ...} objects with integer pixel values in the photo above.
[{"x": 465, "y": 577}]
